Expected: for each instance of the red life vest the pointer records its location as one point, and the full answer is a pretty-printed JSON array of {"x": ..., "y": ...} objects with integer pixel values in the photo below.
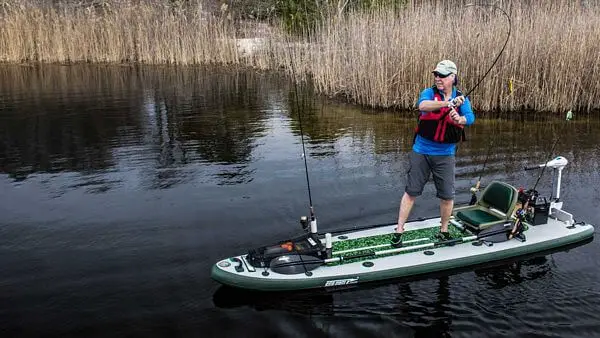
[{"x": 438, "y": 126}]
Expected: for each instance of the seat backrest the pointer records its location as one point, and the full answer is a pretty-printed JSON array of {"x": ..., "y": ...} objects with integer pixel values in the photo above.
[{"x": 500, "y": 196}]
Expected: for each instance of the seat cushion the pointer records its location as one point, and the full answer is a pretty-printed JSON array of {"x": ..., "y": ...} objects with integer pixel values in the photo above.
[{"x": 477, "y": 217}]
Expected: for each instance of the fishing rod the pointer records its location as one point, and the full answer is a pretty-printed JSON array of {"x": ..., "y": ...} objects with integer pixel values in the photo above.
[
  {"x": 497, "y": 56},
  {"x": 544, "y": 168},
  {"x": 313, "y": 221},
  {"x": 559, "y": 163},
  {"x": 517, "y": 228},
  {"x": 558, "y": 181},
  {"x": 475, "y": 189}
]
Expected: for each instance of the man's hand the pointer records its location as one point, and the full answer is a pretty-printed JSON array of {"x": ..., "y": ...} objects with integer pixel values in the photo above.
[
  {"x": 456, "y": 117},
  {"x": 457, "y": 101}
]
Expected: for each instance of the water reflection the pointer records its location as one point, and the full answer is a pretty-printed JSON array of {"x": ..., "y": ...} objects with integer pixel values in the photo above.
[
  {"x": 90, "y": 119},
  {"x": 396, "y": 309},
  {"x": 175, "y": 125},
  {"x": 515, "y": 273}
]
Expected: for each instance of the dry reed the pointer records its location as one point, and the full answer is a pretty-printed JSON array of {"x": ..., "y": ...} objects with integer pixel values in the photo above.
[
  {"x": 116, "y": 32},
  {"x": 551, "y": 63},
  {"x": 380, "y": 58}
]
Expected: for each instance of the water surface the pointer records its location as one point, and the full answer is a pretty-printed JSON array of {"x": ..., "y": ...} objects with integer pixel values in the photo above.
[{"x": 121, "y": 186}]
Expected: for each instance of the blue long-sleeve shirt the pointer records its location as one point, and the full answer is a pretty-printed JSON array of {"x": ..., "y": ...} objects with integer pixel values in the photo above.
[{"x": 428, "y": 147}]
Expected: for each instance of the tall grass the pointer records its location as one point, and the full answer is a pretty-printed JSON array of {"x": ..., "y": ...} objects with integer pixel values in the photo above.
[
  {"x": 384, "y": 58},
  {"x": 379, "y": 58},
  {"x": 114, "y": 31}
]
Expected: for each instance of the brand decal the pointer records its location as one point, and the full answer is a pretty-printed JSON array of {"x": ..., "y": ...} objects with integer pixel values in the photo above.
[{"x": 340, "y": 282}]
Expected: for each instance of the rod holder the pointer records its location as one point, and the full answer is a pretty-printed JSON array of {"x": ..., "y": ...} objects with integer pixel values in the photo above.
[{"x": 313, "y": 226}]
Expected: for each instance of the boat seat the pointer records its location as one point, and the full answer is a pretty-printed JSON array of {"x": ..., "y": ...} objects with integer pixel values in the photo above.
[
  {"x": 496, "y": 205},
  {"x": 478, "y": 217}
]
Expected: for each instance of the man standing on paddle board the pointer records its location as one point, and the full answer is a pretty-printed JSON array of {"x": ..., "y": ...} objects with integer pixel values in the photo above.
[{"x": 444, "y": 112}]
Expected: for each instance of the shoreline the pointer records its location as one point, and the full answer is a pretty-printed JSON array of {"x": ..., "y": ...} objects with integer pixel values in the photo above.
[
  {"x": 379, "y": 68},
  {"x": 319, "y": 98}
]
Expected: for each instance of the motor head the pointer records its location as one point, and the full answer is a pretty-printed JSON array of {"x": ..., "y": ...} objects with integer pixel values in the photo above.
[{"x": 558, "y": 162}]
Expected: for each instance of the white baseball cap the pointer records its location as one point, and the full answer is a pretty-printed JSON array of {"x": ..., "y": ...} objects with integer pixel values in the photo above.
[{"x": 445, "y": 67}]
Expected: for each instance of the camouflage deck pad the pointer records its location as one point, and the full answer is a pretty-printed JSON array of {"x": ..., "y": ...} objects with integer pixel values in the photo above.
[{"x": 386, "y": 239}]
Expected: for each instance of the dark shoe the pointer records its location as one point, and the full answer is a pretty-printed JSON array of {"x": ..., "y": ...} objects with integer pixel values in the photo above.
[
  {"x": 443, "y": 236},
  {"x": 397, "y": 240}
]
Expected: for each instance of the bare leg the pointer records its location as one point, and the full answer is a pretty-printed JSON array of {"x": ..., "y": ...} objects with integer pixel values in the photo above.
[
  {"x": 445, "y": 211},
  {"x": 406, "y": 205}
]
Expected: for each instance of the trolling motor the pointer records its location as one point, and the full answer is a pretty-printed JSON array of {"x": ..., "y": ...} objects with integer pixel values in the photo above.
[{"x": 558, "y": 163}]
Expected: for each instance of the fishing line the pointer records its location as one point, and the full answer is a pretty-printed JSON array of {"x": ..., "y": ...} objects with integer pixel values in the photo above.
[
  {"x": 561, "y": 132},
  {"x": 549, "y": 156},
  {"x": 503, "y": 47},
  {"x": 544, "y": 168}
]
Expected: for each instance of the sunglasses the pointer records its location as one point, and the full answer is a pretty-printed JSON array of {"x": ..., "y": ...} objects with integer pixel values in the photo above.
[{"x": 441, "y": 76}]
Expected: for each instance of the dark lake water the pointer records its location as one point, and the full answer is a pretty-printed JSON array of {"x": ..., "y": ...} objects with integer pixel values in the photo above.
[{"x": 121, "y": 186}]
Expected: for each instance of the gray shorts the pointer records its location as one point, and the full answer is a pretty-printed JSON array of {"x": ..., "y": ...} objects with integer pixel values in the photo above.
[{"x": 420, "y": 168}]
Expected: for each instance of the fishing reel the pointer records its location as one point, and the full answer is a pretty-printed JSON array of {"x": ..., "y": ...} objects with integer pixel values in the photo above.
[
  {"x": 525, "y": 195},
  {"x": 521, "y": 216},
  {"x": 527, "y": 199},
  {"x": 304, "y": 223},
  {"x": 519, "y": 227}
]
